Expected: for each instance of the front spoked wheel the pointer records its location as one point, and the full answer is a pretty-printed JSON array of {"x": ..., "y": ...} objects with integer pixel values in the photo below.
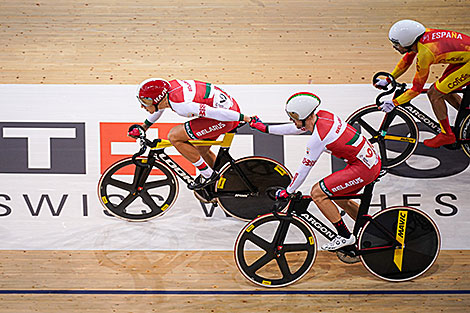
[
  {"x": 232, "y": 191},
  {"x": 418, "y": 248},
  {"x": 268, "y": 262},
  {"x": 394, "y": 135},
  {"x": 465, "y": 135},
  {"x": 124, "y": 196}
]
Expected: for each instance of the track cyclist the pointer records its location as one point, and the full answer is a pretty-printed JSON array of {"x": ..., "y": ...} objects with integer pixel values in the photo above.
[
  {"x": 431, "y": 46},
  {"x": 216, "y": 113},
  {"x": 331, "y": 134}
]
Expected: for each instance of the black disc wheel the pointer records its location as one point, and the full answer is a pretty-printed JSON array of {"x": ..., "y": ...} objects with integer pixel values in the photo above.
[
  {"x": 274, "y": 253},
  {"x": 418, "y": 249},
  {"x": 394, "y": 135},
  {"x": 234, "y": 195},
  {"x": 136, "y": 193}
]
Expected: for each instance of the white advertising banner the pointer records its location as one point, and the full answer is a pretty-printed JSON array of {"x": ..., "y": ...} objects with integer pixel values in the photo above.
[{"x": 56, "y": 140}]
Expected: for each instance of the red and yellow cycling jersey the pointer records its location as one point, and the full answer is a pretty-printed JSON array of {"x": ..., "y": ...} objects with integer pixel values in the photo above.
[{"x": 436, "y": 46}]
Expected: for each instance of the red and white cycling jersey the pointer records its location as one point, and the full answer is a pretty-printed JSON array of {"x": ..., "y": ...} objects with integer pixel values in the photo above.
[
  {"x": 332, "y": 135},
  {"x": 191, "y": 98}
]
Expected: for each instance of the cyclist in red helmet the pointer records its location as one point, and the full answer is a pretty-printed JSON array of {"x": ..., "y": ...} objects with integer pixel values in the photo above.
[
  {"x": 431, "y": 46},
  {"x": 216, "y": 113}
]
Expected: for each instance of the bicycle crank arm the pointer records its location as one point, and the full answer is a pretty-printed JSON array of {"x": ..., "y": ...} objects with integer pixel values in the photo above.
[
  {"x": 463, "y": 141},
  {"x": 365, "y": 251}
]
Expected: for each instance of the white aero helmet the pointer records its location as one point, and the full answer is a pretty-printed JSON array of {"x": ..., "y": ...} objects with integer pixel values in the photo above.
[
  {"x": 300, "y": 105},
  {"x": 405, "y": 32}
]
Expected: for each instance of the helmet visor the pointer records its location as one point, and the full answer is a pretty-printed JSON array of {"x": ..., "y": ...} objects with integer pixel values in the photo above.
[
  {"x": 145, "y": 101},
  {"x": 293, "y": 115}
]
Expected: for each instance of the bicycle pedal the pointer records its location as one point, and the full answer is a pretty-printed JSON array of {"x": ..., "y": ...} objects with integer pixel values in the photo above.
[
  {"x": 452, "y": 146},
  {"x": 347, "y": 257},
  {"x": 203, "y": 196}
]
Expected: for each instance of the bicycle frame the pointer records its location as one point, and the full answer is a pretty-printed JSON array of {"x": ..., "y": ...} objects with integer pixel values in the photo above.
[
  {"x": 299, "y": 206},
  {"x": 157, "y": 151}
]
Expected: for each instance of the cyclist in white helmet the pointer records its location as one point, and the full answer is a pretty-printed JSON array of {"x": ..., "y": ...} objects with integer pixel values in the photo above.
[
  {"x": 431, "y": 46},
  {"x": 333, "y": 135}
]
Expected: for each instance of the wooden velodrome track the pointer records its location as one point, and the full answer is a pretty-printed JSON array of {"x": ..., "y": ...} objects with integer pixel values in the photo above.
[{"x": 227, "y": 42}]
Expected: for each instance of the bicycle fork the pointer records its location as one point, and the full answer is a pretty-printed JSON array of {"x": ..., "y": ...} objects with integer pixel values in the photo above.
[
  {"x": 280, "y": 236},
  {"x": 140, "y": 176}
]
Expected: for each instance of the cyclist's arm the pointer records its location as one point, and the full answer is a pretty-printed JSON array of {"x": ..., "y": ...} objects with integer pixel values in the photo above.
[
  {"x": 152, "y": 118},
  {"x": 190, "y": 109},
  {"x": 315, "y": 148},
  {"x": 285, "y": 129},
  {"x": 403, "y": 65},
  {"x": 423, "y": 62}
]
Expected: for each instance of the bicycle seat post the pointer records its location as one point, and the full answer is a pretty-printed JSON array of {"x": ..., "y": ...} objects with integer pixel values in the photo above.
[
  {"x": 365, "y": 198},
  {"x": 464, "y": 109}
]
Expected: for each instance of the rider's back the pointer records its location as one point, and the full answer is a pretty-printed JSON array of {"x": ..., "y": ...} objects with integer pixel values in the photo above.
[
  {"x": 445, "y": 46},
  {"x": 342, "y": 140},
  {"x": 184, "y": 91}
]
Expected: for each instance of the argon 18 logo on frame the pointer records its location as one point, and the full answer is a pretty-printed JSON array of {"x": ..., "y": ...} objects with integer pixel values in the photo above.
[{"x": 46, "y": 148}]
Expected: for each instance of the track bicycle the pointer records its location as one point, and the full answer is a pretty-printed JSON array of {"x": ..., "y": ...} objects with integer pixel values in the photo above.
[
  {"x": 396, "y": 244},
  {"x": 396, "y": 134},
  {"x": 140, "y": 188}
]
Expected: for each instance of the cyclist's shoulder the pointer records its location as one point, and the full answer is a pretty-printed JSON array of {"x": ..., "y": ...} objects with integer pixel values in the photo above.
[
  {"x": 325, "y": 115},
  {"x": 325, "y": 122},
  {"x": 432, "y": 35},
  {"x": 328, "y": 117},
  {"x": 180, "y": 90},
  {"x": 189, "y": 90}
]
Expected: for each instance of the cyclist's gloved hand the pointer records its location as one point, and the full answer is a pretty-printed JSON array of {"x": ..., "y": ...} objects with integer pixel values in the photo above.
[
  {"x": 256, "y": 123},
  {"x": 282, "y": 194},
  {"x": 387, "y": 106},
  {"x": 135, "y": 131},
  {"x": 382, "y": 83}
]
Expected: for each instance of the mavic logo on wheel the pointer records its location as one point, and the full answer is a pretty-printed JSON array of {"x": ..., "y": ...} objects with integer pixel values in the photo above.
[
  {"x": 400, "y": 237},
  {"x": 47, "y": 148}
]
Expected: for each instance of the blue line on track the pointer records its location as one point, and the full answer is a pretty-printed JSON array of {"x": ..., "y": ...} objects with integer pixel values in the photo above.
[{"x": 239, "y": 292}]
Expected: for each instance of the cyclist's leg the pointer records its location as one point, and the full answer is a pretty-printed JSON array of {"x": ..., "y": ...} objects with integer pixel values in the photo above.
[
  {"x": 180, "y": 140},
  {"x": 457, "y": 81},
  {"x": 437, "y": 102},
  {"x": 346, "y": 181},
  {"x": 454, "y": 77},
  {"x": 207, "y": 155},
  {"x": 205, "y": 128},
  {"x": 330, "y": 211},
  {"x": 454, "y": 100},
  {"x": 324, "y": 204},
  {"x": 205, "y": 152},
  {"x": 439, "y": 91},
  {"x": 349, "y": 206}
]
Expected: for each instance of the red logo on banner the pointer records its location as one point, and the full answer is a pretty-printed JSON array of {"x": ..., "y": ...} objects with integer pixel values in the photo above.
[{"x": 117, "y": 132}]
